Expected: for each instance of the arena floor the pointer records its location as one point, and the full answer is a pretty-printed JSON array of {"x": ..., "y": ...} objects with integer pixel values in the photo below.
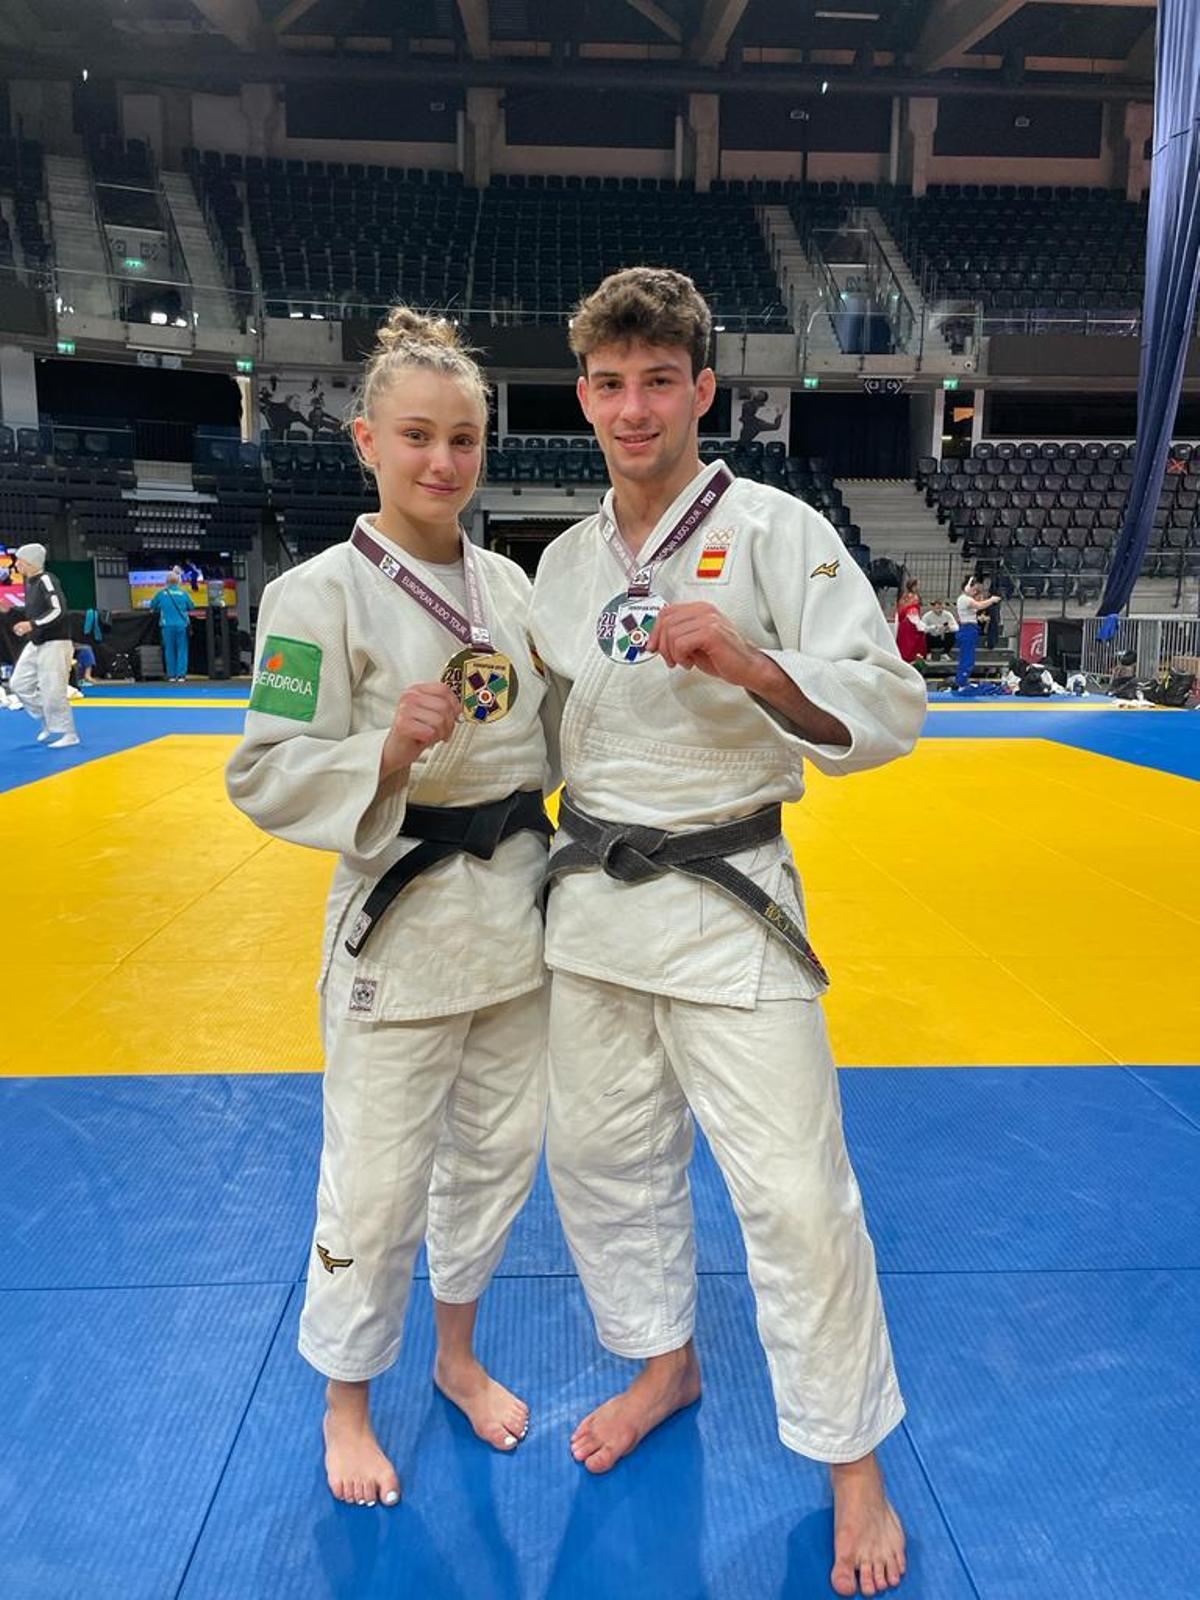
[{"x": 1019, "y": 900}]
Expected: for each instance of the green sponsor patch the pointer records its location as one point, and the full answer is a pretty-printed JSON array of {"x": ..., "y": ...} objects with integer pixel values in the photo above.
[{"x": 287, "y": 678}]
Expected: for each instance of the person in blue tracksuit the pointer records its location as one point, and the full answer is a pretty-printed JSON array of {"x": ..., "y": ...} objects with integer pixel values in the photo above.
[{"x": 173, "y": 605}]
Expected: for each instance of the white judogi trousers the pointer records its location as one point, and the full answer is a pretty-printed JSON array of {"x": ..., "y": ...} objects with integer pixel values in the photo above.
[
  {"x": 40, "y": 680},
  {"x": 625, "y": 1067},
  {"x": 431, "y": 1127}
]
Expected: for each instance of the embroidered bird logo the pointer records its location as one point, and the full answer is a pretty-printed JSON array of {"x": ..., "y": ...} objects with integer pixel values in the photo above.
[
  {"x": 329, "y": 1262},
  {"x": 827, "y": 569}
]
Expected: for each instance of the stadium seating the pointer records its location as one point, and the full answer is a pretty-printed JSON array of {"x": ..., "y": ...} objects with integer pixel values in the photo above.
[
  {"x": 1048, "y": 514},
  {"x": 538, "y": 250},
  {"x": 333, "y": 239},
  {"x": 1072, "y": 254},
  {"x": 22, "y": 179}
]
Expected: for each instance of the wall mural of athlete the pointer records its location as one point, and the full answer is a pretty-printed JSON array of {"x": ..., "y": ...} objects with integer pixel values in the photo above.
[
  {"x": 302, "y": 405},
  {"x": 762, "y": 414}
]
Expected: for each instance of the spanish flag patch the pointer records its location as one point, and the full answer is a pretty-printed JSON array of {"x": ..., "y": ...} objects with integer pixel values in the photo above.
[
  {"x": 714, "y": 555},
  {"x": 539, "y": 666}
]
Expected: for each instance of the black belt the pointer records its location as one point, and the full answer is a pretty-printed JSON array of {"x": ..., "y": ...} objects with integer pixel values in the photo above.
[
  {"x": 633, "y": 854},
  {"x": 448, "y": 831}
]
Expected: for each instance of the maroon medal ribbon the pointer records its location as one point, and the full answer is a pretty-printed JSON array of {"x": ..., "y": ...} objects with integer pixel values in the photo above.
[
  {"x": 473, "y": 630},
  {"x": 482, "y": 679},
  {"x": 641, "y": 575}
]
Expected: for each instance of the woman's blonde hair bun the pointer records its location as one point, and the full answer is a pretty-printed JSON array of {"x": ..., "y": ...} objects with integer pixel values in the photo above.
[{"x": 405, "y": 326}]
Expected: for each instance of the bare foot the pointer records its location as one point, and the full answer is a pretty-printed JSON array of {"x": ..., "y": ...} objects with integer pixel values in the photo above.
[
  {"x": 868, "y": 1541},
  {"x": 497, "y": 1416},
  {"x": 666, "y": 1384},
  {"x": 359, "y": 1473}
]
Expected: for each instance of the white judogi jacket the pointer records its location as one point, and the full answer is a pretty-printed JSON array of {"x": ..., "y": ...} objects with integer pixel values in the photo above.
[
  {"x": 680, "y": 749},
  {"x": 466, "y": 933}
]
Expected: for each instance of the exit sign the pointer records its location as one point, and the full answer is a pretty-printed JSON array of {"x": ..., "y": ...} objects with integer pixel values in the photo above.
[
  {"x": 812, "y": 383},
  {"x": 244, "y": 364},
  {"x": 66, "y": 347},
  {"x": 949, "y": 383}
]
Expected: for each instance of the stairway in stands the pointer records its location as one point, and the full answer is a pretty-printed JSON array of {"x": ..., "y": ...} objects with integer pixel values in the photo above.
[
  {"x": 894, "y": 518},
  {"x": 82, "y": 278}
]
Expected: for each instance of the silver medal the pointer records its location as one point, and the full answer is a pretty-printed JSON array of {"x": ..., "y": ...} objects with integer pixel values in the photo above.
[{"x": 624, "y": 627}]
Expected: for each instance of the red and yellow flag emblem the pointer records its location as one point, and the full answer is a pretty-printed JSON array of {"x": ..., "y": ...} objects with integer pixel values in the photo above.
[{"x": 713, "y": 556}]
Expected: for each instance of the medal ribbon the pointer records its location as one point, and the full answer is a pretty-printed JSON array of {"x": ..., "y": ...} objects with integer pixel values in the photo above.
[
  {"x": 641, "y": 577},
  {"x": 471, "y": 630}
]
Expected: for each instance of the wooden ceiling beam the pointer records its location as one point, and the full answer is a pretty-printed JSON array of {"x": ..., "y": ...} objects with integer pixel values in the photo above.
[{"x": 717, "y": 22}]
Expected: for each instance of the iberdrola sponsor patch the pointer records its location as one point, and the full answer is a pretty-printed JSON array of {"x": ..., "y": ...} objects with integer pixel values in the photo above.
[{"x": 287, "y": 678}]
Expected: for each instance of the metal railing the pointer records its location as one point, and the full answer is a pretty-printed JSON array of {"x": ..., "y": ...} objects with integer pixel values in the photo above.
[
  {"x": 150, "y": 301},
  {"x": 863, "y": 289},
  {"x": 174, "y": 301},
  {"x": 1112, "y": 323},
  {"x": 1054, "y": 592},
  {"x": 1162, "y": 643}
]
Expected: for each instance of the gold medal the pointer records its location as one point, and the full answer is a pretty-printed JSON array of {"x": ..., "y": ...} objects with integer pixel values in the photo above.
[{"x": 484, "y": 682}]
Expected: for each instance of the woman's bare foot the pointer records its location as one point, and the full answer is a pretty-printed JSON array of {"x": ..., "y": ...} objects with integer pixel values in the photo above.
[
  {"x": 868, "y": 1541},
  {"x": 666, "y": 1384},
  {"x": 497, "y": 1416},
  {"x": 359, "y": 1473}
]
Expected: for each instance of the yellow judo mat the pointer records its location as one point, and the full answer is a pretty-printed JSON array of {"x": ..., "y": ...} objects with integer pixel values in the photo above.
[{"x": 972, "y": 902}]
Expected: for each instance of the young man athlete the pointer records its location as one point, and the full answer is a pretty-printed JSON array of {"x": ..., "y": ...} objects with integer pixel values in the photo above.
[{"x": 710, "y": 635}]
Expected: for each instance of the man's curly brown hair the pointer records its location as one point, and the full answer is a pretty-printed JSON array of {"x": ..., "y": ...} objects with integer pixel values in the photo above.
[{"x": 652, "y": 305}]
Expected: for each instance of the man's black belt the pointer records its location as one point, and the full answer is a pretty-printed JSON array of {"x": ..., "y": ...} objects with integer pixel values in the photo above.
[
  {"x": 633, "y": 854},
  {"x": 446, "y": 831}
]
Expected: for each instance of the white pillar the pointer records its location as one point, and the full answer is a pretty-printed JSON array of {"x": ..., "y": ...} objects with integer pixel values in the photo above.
[
  {"x": 266, "y": 123},
  {"x": 917, "y": 146},
  {"x": 483, "y": 136},
  {"x": 18, "y": 387},
  {"x": 1139, "y": 127},
  {"x": 704, "y": 140}
]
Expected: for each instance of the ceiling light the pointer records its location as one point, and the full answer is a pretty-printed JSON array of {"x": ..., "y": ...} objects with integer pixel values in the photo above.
[{"x": 848, "y": 16}]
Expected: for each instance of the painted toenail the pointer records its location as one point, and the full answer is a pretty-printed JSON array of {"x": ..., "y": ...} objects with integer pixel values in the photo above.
[
  {"x": 509, "y": 1441},
  {"x": 390, "y": 1498}
]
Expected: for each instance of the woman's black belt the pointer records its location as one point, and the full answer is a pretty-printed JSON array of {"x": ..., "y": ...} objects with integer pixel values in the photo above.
[
  {"x": 447, "y": 831},
  {"x": 632, "y": 854}
]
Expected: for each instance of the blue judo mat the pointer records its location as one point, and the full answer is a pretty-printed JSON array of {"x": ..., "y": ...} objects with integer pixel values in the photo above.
[
  {"x": 1168, "y": 740},
  {"x": 1037, "y": 1232}
]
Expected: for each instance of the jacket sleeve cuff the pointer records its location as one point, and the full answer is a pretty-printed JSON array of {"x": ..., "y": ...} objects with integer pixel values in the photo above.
[{"x": 881, "y": 710}]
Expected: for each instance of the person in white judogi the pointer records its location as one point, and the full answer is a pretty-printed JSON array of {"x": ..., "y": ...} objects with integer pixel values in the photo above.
[
  {"x": 672, "y": 996},
  {"x": 433, "y": 1006}
]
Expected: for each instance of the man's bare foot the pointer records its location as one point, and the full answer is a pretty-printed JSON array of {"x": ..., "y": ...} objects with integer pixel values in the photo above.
[
  {"x": 359, "y": 1473},
  {"x": 868, "y": 1541},
  {"x": 497, "y": 1416},
  {"x": 666, "y": 1384}
]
